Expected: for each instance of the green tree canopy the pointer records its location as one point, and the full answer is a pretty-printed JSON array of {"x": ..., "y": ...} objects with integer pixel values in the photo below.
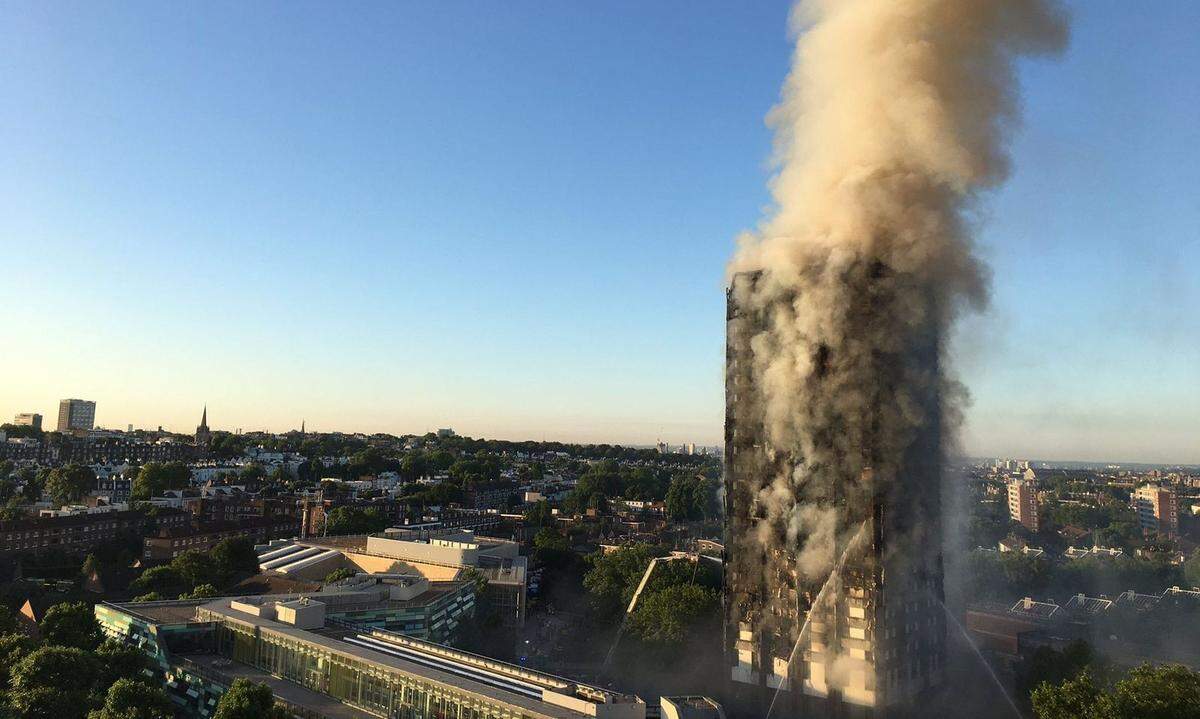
[
  {"x": 120, "y": 661},
  {"x": 71, "y": 624},
  {"x": 248, "y": 700},
  {"x": 1147, "y": 692},
  {"x": 13, "y": 648},
  {"x": 235, "y": 555},
  {"x": 352, "y": 520},
  {"x": 201, "y": 591},
  {"x": 196, "y": 568},
  {"x": 613, "y": 577},
  {"x": 339, "y": 574},
  {"x": 131, "y": 699},
  {"x": 163, "y": 580},
  {"x": 664, "y": 618},
  {"x": 69, "y": 484},
  {"x": 53, "y": 683},
  {"x": 155, "y": 478}
]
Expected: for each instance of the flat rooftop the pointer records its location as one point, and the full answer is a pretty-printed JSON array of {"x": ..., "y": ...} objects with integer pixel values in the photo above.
[
  {"x": 427, "y": 665},
  {"x": 290, "y": 692}
]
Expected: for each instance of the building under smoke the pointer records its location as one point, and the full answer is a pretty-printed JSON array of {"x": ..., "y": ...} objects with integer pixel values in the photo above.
[
  {"x": 891, "y": 124},
  {"x": 860, "y": 633}
]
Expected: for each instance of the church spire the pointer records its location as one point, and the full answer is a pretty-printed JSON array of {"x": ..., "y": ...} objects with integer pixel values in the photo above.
[{"x": 203, "y": 436}]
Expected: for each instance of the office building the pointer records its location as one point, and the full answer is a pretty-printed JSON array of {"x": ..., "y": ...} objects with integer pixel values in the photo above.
[
  {"x": 319, "y": 665},
  {"x": 1158, "y": 510},
  {"x": 28, "y": 419},
  {"x": 1023, "y": 503},
  {"x": 76, "y": 415},
  {"x": 868, "y": 640},
  {"x": 438, "y": 554}
]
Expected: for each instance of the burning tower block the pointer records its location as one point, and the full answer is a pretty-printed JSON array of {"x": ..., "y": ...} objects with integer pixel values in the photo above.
[{"x": 866, "y": 636}]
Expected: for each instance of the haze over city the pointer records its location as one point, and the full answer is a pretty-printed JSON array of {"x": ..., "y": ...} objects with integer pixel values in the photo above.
[{"x": 516, "y": 220}]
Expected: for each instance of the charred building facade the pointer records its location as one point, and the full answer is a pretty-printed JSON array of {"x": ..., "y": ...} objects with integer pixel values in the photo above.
[{"x": 866, "y": 636}]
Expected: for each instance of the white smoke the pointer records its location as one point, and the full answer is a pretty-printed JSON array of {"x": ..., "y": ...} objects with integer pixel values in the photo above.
[
  {"x": 893, "y": 119},
  {"x": 892, "y": 122}
]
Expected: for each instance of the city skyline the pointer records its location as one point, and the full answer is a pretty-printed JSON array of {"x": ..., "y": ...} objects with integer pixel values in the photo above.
[{"x": 284, "y": 239}]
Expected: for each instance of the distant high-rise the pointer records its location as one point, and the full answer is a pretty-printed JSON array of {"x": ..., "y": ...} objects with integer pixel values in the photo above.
[
  {"x": 869, "y": 639},
  {"x": 76, "y": 415},
  {"x": 28, "y": 419},
  {"x": 203, "y": 436},
  {"x": 1023, "y": 503}
]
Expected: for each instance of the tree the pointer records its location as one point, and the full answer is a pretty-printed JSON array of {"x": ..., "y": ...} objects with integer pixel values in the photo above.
[
  {"x": 252, "y": 473},
  {"x": 202, "y": 591},
  {"x": 1077, "y": 698},
  {"x": 539, "y": 515},
  {"x": 195, "y": 568},
  {"x": 71, "y": 624},
  {"x": 551, "y": 548},
  {"x": 1164, "y": 692},
  {"x": 8, "y": 621},
  {"x": 155, "y": 478},
  {"x": 665, "y": 617},
  {"x": 339, "y": 574},
  {"x": 32, "y": 483},
  {"x": 53, "y": 683},
  {"x": 163, "y": 580},
  {"x": 69, "y": 484},
  {"x": 681, "y": 498},
  {"x": 13, "y": 648},
  {"x": 613, "y": 577},
  {"x": 235, "y": 555},
  {"x": 149, "y": 597},
  {"x": 1191, "y": 569},
  {"x": 120, "y": 661},
  {"x": 352, "y": 520},
  {"x": 248, "y": 700},
  {"x": 130, "y": 699},
  {"x": 1147, "y": 692},
  {"x": 1048, "y": 665}
]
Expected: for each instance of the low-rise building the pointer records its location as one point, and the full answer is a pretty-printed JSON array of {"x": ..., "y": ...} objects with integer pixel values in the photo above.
[
  {"x": 319, "y": 667},
  {"x": 78, "y": 533},
  {"x": 169, "y": 542}
]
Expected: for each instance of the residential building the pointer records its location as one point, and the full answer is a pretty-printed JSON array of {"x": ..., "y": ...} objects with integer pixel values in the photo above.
[
  {"x": 170, "y": 542},
  {"x": 1023, "y": 503},
  {"x": 28, "y": 419},
  {"x": 78, "y": 533},
  {"x": 869, "y": 638},
  {"x": 1158, "y": 509},
  {"x": 76, "y": 415}
]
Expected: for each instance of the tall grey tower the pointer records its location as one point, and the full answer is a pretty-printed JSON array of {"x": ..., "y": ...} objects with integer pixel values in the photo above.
[
  {"x": 868, "y": 640},
  {"x": 76, "y": 415}
]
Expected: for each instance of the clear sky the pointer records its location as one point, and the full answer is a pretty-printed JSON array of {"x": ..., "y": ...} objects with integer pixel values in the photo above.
[{"x": 513, "y": 219}]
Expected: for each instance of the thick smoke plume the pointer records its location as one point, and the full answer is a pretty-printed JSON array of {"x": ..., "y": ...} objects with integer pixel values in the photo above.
[{"x": 892, "y": 121}]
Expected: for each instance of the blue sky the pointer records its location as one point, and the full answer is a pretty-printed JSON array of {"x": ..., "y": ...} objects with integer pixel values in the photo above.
[{"x": 513, "y": 219}]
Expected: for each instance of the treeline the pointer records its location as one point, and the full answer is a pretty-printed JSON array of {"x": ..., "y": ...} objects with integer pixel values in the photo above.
[
  {"x": 1076, "y": 683},
  {"x": 198, "y": 575}
]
